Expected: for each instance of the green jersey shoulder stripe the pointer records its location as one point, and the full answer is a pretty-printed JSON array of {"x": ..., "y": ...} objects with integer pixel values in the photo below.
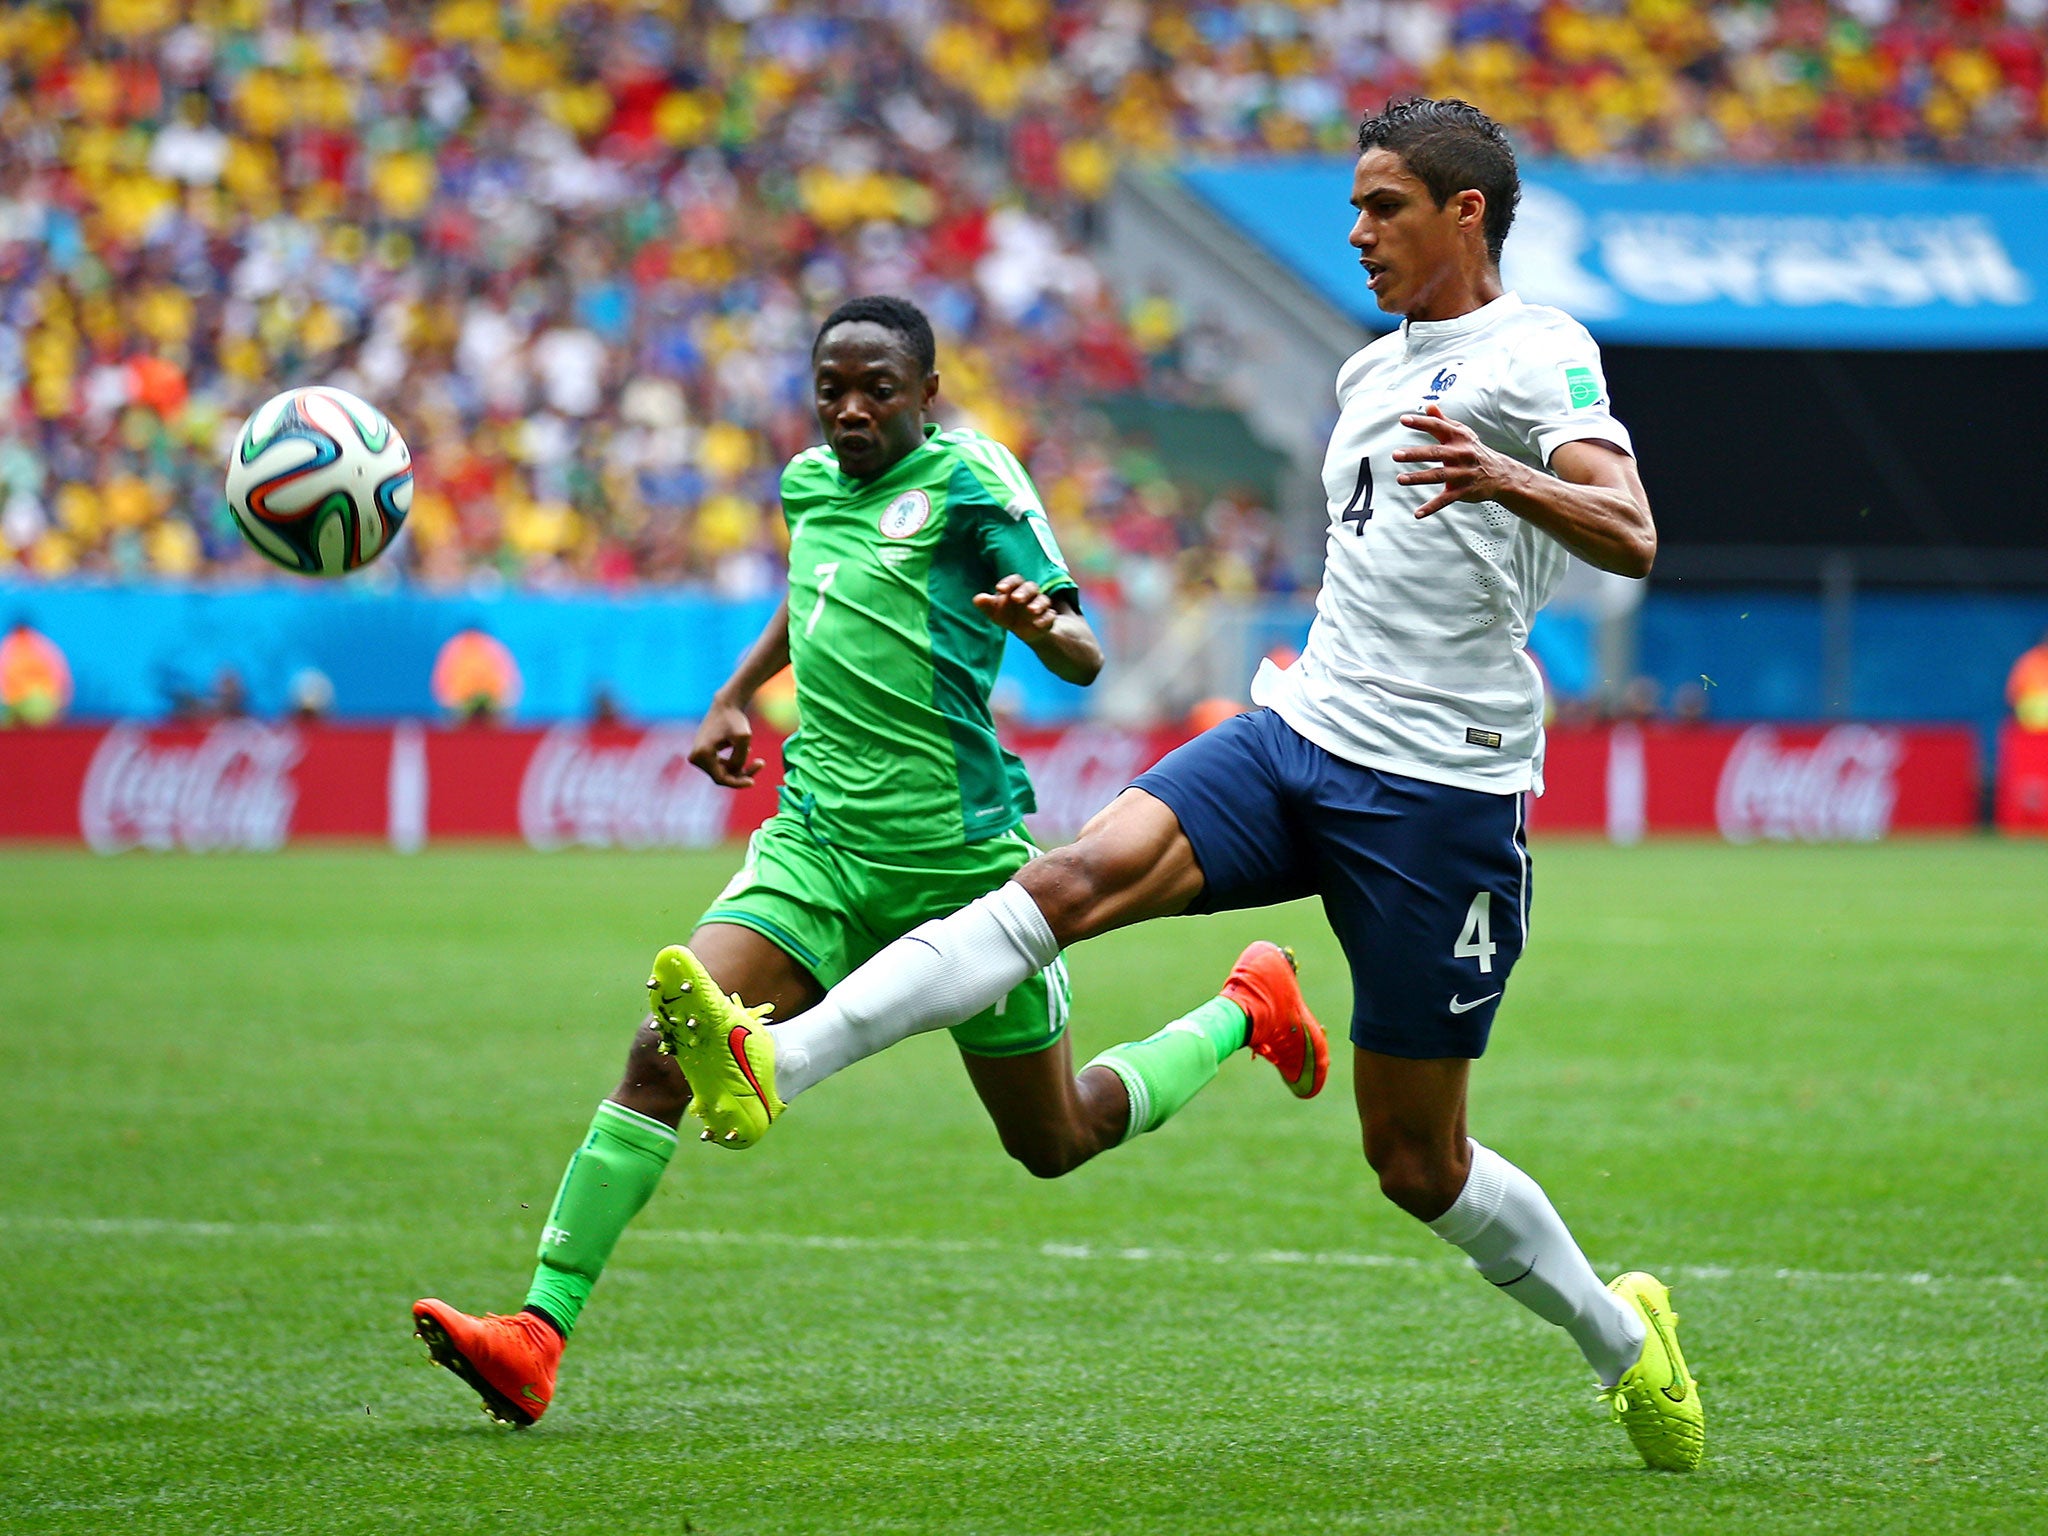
[{"x": 991, "y": 457}]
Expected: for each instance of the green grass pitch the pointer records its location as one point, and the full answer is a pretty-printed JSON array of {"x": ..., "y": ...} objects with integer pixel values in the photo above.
[{"x": 251, "y": 1107}]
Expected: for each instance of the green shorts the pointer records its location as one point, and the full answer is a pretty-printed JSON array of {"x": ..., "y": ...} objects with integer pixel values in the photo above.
[{"x": 831, "y": 910}]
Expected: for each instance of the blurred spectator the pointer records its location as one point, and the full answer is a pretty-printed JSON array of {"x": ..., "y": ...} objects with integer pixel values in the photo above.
[
  {"x": 2026, "y": 688},
  {"x": 475, "y": 678},
  {"x": 576, "y": 249},
  {"x": 1689, "y": 703},
  {"x": 230, "y": 695},
  {"x": 35, "y": 680},
  {"x": 312, "y": 695}
]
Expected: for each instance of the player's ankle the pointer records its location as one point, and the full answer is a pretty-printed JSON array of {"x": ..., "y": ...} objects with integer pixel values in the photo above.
[{"x": 554, "y": 1327}]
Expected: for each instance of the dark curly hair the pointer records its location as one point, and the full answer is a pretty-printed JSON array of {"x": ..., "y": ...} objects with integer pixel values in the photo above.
[
  {"x": 898, "y": 315},
  {"x": 1452, "y": 147}
]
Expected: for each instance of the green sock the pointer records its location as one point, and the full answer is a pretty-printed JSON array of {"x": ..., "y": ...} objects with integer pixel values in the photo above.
[
  {"x": 610, "y": 1178},
  {"x": 1161, "y": 1073}
]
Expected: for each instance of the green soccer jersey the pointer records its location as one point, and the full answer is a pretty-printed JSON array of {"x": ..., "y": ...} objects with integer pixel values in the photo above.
[{"x": 894, "y": 663}]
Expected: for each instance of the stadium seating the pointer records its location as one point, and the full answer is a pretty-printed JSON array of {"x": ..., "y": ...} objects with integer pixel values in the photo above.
[{"x": 577, "y": 251}]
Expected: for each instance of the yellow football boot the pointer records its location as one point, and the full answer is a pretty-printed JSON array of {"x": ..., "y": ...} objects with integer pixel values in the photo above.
[
  {"x": 722, "y": 1047},
  {"x": 1656, "y": 1400}
]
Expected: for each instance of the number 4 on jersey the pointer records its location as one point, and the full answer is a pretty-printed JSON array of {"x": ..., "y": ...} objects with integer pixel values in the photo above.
[
  {"x": 1359, "y": 509},
  {"x": 1476, "y": 942}
]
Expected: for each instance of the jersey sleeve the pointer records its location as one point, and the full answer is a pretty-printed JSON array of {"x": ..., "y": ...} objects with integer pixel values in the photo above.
[
  {"x": 806, "y": 480},
  {"x": 1556, "y": 393},
  {"x": 1011, "y": 527}
]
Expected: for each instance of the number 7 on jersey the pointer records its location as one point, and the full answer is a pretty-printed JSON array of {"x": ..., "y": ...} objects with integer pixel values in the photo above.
[{"x": 824, "y": 570}]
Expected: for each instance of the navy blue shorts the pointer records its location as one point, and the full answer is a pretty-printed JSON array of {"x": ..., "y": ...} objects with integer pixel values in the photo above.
[{"x": 1426, "y": 885}]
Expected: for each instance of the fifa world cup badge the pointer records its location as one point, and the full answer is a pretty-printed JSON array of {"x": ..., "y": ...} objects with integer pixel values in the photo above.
[{"x": 906, "y": 514}]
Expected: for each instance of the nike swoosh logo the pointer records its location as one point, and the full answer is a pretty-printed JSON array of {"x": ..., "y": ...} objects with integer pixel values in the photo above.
[
  {"x": 1675, "y": 1389},
  {"x": 528, "y": 1392},
  {"x": 1458, "y": 1006},
  {"x": 736, "y": 1043}
]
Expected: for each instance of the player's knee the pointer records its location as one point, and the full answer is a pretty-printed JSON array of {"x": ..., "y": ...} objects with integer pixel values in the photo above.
[
  {"x": 1045, "y": 1157},
  {"x": 1417, "y": 1178}
]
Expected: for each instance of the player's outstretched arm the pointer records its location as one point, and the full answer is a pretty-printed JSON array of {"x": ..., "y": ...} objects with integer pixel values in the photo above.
[
  {"x": 726, "y": 733},
  {"x": 1051, "y": 625},
  {"x": 1593, "y": 502}
]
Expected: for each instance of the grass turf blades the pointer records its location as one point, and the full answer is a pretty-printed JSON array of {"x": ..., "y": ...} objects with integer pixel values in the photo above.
[{"x": 256, "y": 1105}]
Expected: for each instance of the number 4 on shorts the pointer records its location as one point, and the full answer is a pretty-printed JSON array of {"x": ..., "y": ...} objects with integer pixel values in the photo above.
[{"x": 1476, "y": 942}]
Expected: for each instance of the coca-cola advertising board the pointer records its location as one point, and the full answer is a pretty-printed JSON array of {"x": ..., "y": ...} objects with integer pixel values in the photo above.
[
  {"x": 242, "y": 784},
  {"x": 1837, "y": 783}
]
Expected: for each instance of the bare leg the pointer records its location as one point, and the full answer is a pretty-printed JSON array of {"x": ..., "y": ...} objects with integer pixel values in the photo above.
[
  {"x": 1050, "y": 1120},
  {"x": 1412, "y": 1114},
  {"x": 1131, "y": 863},
  {"x": 742, "y": 961}
]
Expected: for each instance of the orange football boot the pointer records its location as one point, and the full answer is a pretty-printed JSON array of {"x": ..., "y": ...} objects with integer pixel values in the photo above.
[
  {"x": 510, "y": 1361},
  {"x": 1283, "y": 1031}
]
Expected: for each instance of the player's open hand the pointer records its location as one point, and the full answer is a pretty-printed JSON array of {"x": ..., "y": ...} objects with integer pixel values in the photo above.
[
  {"x": 1018, "y": 606},
  {"x": 1466, "y": 468},
  {"x": 721, "y": 746}
]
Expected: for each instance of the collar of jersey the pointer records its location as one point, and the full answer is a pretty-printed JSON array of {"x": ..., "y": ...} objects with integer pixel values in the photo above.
[
  {"x": 861, "y": 487},
  {"x": 1418, "y": 334}
]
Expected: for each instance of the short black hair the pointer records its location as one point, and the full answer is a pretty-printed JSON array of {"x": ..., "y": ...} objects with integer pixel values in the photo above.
[
  {"x": 898, "y": 315},
  {"x": 1452, "y": 146}
]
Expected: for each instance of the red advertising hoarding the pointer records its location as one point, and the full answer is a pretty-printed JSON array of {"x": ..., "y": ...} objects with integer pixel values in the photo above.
[
  {"x": 247, "y": 785},
  {"x": 2023, "y": 781},
  {"x": 1833, "y": 783}
]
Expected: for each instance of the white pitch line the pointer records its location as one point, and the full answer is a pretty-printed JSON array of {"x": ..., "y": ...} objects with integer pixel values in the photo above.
[{"x": 149, "y": 1226}]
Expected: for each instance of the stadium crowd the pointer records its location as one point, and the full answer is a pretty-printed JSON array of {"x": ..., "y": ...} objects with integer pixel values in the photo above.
[{"x": 577, "y": 251}]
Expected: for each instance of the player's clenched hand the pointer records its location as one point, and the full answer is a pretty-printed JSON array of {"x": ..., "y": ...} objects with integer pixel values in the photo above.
[
  {"x": 721, "y": 746},
  {"x": 1019, "y": 607},
  {"x": 1466, "y": 468}
]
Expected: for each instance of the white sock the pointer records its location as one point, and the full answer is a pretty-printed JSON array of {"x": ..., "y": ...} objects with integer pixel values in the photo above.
[
  {"x": 940, "y": 973},
  {"x": 1516, "y": 1239}
]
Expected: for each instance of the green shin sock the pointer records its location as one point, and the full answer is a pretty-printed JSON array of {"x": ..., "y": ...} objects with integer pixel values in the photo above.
[
  {"x": 610, "y": 1178},
  {"x": 1163, "y": 1072}
]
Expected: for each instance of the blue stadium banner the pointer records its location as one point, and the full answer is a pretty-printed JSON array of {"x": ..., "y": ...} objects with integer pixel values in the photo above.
[{"x": 1744, "y": 257}]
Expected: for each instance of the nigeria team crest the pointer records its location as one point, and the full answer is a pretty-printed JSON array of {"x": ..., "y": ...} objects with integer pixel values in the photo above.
[{"x": 906, "y": 514}]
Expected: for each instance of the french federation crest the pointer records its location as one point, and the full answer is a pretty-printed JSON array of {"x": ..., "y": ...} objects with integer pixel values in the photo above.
[{"x": 906, "y": 514}]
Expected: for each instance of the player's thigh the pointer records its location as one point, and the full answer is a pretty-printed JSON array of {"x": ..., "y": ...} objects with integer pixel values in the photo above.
[
  {"x": 1206, "y": 829},
  {"x": 1427, "y": 888},
  {"x": 1131, "y": 863}
]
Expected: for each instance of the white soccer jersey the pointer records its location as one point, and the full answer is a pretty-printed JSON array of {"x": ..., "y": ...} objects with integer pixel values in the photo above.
[{"x": 1416, "y": 662}]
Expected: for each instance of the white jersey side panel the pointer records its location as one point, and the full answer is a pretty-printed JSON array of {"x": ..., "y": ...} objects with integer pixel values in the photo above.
[{"x": 1417, "y": 660}]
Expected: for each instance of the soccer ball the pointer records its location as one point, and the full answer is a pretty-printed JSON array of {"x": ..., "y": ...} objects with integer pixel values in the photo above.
[{"x": 319, "y": 481}]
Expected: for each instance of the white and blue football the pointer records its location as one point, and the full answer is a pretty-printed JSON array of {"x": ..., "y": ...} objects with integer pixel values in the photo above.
[{"x": 319, "y": 481}]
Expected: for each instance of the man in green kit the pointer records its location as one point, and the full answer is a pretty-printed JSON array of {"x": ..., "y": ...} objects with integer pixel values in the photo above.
[{"x": 914, "y": 553}]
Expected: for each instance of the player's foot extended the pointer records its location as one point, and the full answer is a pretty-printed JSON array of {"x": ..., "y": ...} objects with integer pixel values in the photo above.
[
  {"x": 509, "y": 1361},
  {"x": 1283, "y": 1031},
  {"x": 721, "y": 1045},
  {"x": 1656, "y": 1400}
]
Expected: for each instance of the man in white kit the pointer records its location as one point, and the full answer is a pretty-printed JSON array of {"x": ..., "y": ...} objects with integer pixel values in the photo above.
[{"x": 1384, "y": 771}]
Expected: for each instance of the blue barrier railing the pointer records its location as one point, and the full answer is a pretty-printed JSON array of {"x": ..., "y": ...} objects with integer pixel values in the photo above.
[{"x": 135, "y": 651}]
